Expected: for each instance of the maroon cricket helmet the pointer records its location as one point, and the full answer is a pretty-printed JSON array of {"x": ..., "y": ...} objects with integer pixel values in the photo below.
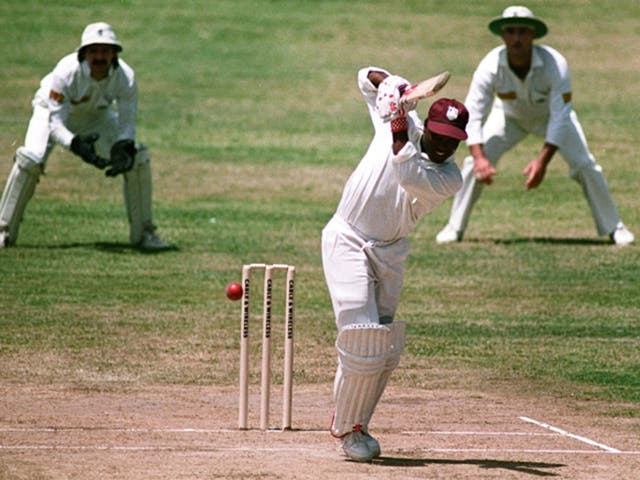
[{"x": 448, "y": 117}]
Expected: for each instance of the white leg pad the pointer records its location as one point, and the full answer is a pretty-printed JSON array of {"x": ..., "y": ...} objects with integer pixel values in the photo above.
[
  {"x": 137, "y": 195},
  {"x": 19, "y": 189},
  {"x": 363, "y": 350},
  {"x": 398, "y": 338}
]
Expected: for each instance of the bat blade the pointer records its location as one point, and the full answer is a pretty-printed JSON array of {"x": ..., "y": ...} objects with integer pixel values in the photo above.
[{"x": 426, "y": 88}]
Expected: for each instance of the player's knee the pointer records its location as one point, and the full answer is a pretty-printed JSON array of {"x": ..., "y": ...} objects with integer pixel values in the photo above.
[
  {"x": 584, "y": 169},
  {"x": 28, "y": 162},
  {"x": 143, "y": 156},
  {"x": 353, "y": 316}
]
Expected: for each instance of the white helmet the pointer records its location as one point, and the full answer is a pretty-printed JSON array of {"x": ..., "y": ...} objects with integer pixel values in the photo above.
[{"x": 100, "y": 32}]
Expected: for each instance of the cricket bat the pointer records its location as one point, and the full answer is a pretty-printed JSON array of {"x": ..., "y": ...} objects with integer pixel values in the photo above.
[{"x": 426, "y": 88}]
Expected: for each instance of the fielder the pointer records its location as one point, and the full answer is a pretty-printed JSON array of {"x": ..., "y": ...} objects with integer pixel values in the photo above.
[
  {"x": 517, "y": 89},
  {"x": 87, "y": 104},
  {"x": 407, "y": 171}
]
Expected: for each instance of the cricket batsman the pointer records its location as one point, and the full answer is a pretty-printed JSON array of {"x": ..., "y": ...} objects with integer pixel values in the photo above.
[
  {"x": 88, "y": 105},
  {"x": 407, "y": 171}
]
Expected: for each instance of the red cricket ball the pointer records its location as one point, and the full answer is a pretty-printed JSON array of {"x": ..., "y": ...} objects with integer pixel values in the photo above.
[{"x": 234, "y": 291}]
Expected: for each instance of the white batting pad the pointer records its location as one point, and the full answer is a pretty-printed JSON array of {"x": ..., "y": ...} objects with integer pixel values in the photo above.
[
  {"x": 137, "y": 194},
  {"x": 19, "y": 189},
  {"x": 363, "y": 350},
  {"x": 398, "y": 338}
]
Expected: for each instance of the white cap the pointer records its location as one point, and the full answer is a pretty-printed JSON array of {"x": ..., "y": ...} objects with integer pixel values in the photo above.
[
  {"x": 101, "y": 33},
  {"x": 518, "y": 15}
]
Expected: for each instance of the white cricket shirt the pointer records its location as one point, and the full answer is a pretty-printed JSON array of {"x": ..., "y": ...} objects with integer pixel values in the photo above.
[
  {"x": 69, "y": 91},
  {"x": 387, "y": 194},
  {"x": 543, "y": 98}
]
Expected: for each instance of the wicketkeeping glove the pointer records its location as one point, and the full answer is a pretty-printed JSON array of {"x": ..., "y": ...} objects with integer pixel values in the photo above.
[
  {"x": 388, "y": 99},
  {"x": 123, "y": 153},
  {"x": 82, "y": 145}
]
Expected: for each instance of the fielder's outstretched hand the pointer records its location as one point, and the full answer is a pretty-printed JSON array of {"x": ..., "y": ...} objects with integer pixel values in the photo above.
[
  {"x": 82, "y": 145},
  {"x": 123, "y": 152},
  {"x": 483, "y": 170},
  {"x": 535, "y": 172}
]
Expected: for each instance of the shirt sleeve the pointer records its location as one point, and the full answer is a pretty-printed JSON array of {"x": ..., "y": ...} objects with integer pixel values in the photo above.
[
  {"x": 480, "y": 96},
  {"x": 370, "y": 92},
  {"x": 560, "y": 105},
  {"x": 58, "y": 103},
  {"x": 427, "y": 182},
  {"x": 127, "y": 104}
]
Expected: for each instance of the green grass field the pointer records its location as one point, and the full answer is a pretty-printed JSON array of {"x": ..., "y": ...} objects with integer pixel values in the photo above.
[{"x": 253, "y": 118}]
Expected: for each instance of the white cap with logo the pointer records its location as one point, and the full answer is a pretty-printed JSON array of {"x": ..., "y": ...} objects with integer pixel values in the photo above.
[{"x": 101, "y": 33}]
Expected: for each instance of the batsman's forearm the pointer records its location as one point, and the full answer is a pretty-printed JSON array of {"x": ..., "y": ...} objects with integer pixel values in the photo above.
[
  {"x": 376, "y": 77},
  {"x": 400, "y": 139}
]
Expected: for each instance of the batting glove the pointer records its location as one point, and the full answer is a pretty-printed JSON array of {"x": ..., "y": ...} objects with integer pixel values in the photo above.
[
  {"x": 399, "y": 124},
  {"x": 388, "y": 100}
]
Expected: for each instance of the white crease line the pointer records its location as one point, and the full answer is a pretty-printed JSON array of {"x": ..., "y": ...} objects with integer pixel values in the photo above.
[
  {"x": 152, "y": 430},
  {"x": 570, "y": 435},
  {"x": 471, "y": 433},
  {"x": 515, "y": 450},
  {"x": 213, "y": 449},
  {"x": 310, "y": 451},
  {"x": 167, "y": 448},
  {"x": 114, "y": 429}
]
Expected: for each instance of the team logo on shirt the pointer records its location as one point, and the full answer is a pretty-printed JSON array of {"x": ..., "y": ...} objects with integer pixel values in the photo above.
[
  {"x": 452, "y": 113},
  {"x": 58, "y": 97}
]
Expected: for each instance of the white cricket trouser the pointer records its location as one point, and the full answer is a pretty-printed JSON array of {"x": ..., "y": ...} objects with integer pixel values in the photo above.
[
  {"x": 364, "y": 277},
  {"x": 502, "y": 134}
]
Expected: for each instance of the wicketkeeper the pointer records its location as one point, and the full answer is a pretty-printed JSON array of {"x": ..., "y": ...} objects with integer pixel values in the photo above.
[
  {"x": 87, "y": 104},
  {"x": 407, "y": 171}
]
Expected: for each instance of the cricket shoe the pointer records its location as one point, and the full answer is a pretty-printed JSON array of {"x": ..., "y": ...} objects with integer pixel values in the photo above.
[
  {"x": 372, "y": 443},
  {"x": 448, "y": 235},
  {"x": 621, "y": 236},
  {"x": 4, "y": 239},
  {"x": 150, "y": 241},
  {"x": 356, "y": 447}
]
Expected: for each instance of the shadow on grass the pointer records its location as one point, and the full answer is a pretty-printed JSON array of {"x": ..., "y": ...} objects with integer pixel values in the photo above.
[
  {"x": 544, "y": 241},
  {"x": 530, "y": 468},
  {"x": 110, "y": 247},
  {"x": 126, "y": 247}
]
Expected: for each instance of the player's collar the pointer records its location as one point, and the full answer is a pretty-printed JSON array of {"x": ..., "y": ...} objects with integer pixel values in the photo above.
[{"x": 536, "y": 58}]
